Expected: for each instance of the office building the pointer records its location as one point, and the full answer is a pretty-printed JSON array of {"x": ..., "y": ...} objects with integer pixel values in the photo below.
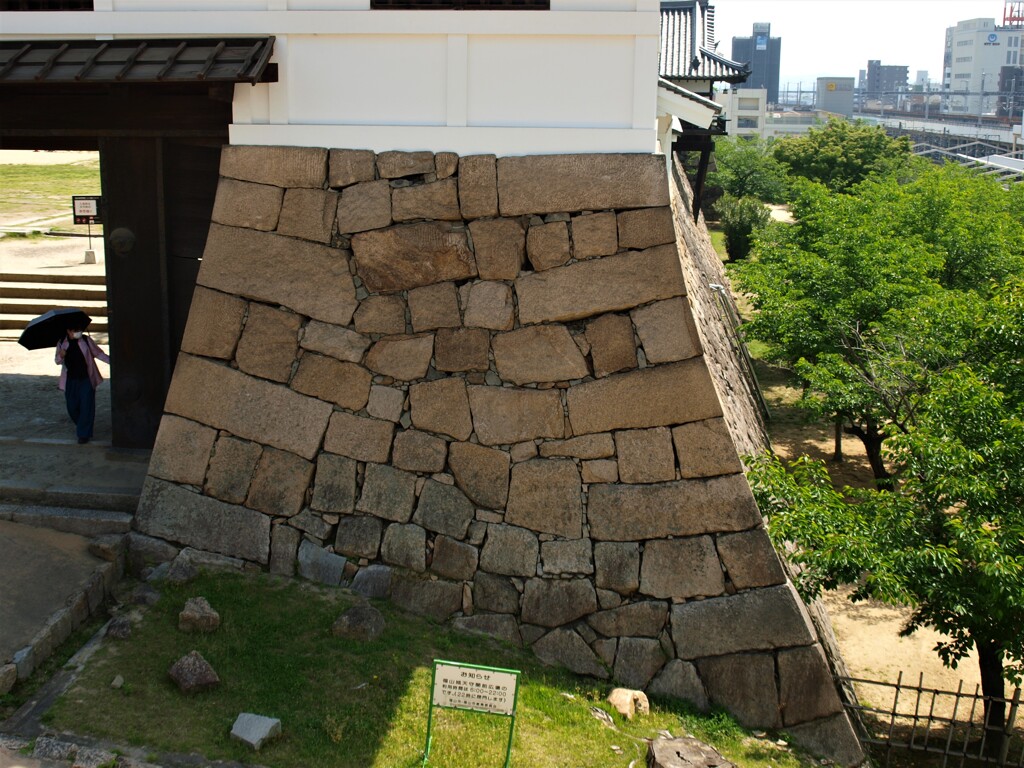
[{"x": 763, "y": 53}]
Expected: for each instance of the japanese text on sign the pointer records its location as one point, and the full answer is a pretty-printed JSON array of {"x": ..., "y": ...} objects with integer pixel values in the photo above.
[
  {"x": 86, "y": 209},
  {"x": 481, "y": 690}
]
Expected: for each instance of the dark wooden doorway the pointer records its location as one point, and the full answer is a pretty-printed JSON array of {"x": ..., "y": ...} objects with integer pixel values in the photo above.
[{"x": 159, "y": 151}]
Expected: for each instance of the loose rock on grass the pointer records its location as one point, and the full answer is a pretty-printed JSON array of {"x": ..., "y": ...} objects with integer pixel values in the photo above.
[
  {"x": 254, "y": 730},
  {"x": 198, "y": 616},
  {"x": 193, "y": 673},
  {"x": 361, "y": 622}
]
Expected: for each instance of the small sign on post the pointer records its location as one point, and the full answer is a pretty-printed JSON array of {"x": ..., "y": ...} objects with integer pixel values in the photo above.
[
  {"x": 86, "y": 210},
  {"x": 475, "y": 688}
]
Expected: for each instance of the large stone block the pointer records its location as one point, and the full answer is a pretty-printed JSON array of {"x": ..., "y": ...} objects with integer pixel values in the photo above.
[
  {"x": 762, "y": 619},
  {"x": 750, "y": 559},
  {"x": 438, "y": 200},
  {"x": 646, "y": 618},
  {"x": 538, "y": 354},
  {"x": 645, "y": 455},
  {"x": 617, "y": 566},
  {"x": 503, "y": 416},
  {"x": 667, "y": 331},
  {"x": 412, "y": 255},
  {"x": 547, "y": 245},
  {"x": 681, "y": 568},
  {"x": 386, "y": 402},
  {"x": 500, "y": 627},
  {"x": 434, "y": 599},
  {"x": 168, "y": 511},
  {"x": 358, "y": 536},
  {"x": 500, "y": 246},
  {"x": 462, "y": 349},
  {"x": 334, "y": 487},
  {"x": 590, "y": 288},
  {"x": 350, "y": 166},
  {"x": 554, "y": 602},
  {"x": 388, "y": 493},
  {"x": 584, "y": 447},
  {"x": 653, "y": 397},
  {"x": 395, "y": 164},
  {"x": 242, "y": 204},
  {"x": 478, "y": 186},
  {"x": 405, "y": 358},
  {"x": 405, "y": 546},
  {"x": 482, "y": 473},
  {"x": 359, "y": 438},
  {"x": 565, "y": 648},
  {"x": 247, "y": 407},
  {"x": 280, "y": 166},
  {"x": 565, "y": 557},
  {"x": 434, "y": 306},
  {"x": 612, "y": 347},
  {"x": 280, "y": 483},
  {"x": 679, "y": 679},
  {"x": 269, "y": 343},
  {"x": 806, "y": 690},
  {"x": 214, "y": 324},
  {"x": 309, "y": 214},
  {"x": 344, "y": 384},
  {"x": 510, "y": 551},
  {"x": 646, "y": 227},
  {"x": 705, "y": 449},
  {"x": 339, "y": 343},
  {"x": 284, "y": 548},
  {"x": 454, "y": 559},
  {"x": 745, "y": 685},
  {"x": 319, "y": 565},
  {"x": 263, "y": 266},
  {"x": 312, "y": 523},
  {"x": 594, "y": 235},
  {"x": 546, "y": 495},
  {"x": 182, "y": 451},
  {"x": 441, "y": 406},
  {"x": 490, "y": 306},
  {"x": 418, "y": 451},
  {"x": 637, "y": 661},
  {"x": 231, "y": 469},
  {"x": 446, "y": 164},
  {"x": 553, "y": 183},
  {"x": 364, "y": 207},
  {"x": 380, "y": 314},
  {"x": 495, "y": 593},
  {"x": 680, "y": 508},
  {"x": 444, "y": 509},
  {"x": 833, "y": 736}
]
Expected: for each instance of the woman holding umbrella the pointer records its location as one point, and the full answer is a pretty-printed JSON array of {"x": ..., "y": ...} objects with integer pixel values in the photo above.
[{"x": 79, "y": 377}]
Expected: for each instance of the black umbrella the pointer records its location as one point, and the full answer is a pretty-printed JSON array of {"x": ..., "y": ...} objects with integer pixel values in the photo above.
[{"x": 47, "y": 329}]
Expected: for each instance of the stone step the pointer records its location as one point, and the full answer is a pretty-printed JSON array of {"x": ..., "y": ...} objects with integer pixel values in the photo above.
[
  {"x": 74, "y": 280},
  {"x": 84, "y": 522},
  {"x": 34, "y": 307},
  {"x": 16, "y": 322},
  {"x": 60, "y": 292}
]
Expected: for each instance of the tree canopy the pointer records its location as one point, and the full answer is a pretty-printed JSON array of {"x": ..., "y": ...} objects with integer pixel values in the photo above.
[
  {"x": 747, "y": 167},
  {"x": 842, "y": 154}
]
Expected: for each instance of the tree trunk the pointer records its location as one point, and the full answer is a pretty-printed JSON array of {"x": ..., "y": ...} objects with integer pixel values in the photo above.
[
  {"x": 872, "y": 439},
  {"x": 837, "y": 452},
  {"x": 990, "y": 663}
]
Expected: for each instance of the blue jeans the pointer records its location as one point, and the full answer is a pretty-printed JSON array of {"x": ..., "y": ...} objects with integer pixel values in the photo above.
[{"x": 81, "y": 400}]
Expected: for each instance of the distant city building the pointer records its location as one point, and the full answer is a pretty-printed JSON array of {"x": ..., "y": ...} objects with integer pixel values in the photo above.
[
  {"x": 747, "y": 114},
  {"x": 879, "y": 83},
  {"x": 976, "y": 52},
  {"x": 835, "y": 95},
  {"x": 763, "y": 53}
]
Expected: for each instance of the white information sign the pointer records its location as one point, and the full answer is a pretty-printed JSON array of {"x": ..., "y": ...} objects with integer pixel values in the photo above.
[
  {"x": 86, "y": 206},
  {"x": 482, "y": 690}
]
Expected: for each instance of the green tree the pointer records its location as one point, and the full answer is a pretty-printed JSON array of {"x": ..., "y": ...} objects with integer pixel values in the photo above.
[
  {"x": 857, "y": 269},
  {"x": 842, "y": 154},
  {"x": 948, "y": 540},
  {"x": 741, "y": 218},
  {"x": 748, "y": 167}
]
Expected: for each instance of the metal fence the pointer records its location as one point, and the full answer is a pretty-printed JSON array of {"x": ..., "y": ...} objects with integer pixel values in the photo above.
[{"x": 946, "y": 724}]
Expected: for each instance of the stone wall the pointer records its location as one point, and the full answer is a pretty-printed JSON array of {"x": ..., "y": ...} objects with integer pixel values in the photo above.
[{"x": 476, "y": 385}]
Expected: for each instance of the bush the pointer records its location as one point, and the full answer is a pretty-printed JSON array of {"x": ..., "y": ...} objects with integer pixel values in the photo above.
[{"x": 741, "y": 218}]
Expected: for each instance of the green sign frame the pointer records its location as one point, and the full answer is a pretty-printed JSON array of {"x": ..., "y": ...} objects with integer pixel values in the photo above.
[{"x": 469, "y": 687}]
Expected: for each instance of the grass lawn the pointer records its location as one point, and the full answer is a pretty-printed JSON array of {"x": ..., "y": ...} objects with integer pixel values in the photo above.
[
  {"x": 718, "y": 240},
  {"x": 351, "y": 704},
  {"x": 42, "y": 191}
]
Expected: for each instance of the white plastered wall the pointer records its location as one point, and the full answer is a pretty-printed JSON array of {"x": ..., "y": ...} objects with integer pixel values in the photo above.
[{"x": 581, "y": 77}]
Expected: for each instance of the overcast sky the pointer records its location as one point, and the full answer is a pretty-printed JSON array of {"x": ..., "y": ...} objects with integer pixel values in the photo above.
[{"x": 835, "y": 38}]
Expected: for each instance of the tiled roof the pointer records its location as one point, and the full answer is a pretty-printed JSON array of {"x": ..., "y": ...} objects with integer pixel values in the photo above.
[{"x": 688, "y": 45}]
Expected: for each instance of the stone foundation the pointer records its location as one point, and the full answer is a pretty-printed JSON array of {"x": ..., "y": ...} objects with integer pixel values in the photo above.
[{"x": 491, "y": 388}]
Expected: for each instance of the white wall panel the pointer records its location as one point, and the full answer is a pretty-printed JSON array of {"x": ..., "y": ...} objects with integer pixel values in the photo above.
[
  {"x": 584, "y": 81},
  {"x": 367, "y": 79}
]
